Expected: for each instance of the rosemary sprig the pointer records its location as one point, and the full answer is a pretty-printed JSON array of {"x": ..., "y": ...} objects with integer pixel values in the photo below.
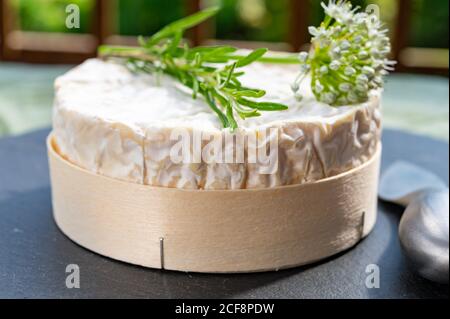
[{"x": 210, "y": 71}]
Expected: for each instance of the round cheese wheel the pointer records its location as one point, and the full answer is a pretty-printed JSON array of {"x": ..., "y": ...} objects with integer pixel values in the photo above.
[{"x": 127, "y": 126}]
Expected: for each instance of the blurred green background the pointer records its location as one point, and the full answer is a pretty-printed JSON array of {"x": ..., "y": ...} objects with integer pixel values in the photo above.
[
  {"x": 255, "y": 20},
  {"x": 417, "y": 103}
]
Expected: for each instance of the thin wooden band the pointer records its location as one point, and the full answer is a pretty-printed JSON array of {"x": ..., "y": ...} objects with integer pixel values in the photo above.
[{"x": 214, "y": 231}]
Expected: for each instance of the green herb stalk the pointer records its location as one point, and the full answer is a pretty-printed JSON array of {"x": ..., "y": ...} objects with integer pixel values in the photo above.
[{"x": 209, "y": 71}]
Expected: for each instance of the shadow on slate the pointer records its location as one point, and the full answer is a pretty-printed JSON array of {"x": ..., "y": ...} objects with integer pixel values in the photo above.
[{"x": 34, "y": 253}]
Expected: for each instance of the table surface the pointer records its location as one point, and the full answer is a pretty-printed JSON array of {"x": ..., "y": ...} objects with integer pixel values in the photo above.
[{"x": 34, "y": 253}]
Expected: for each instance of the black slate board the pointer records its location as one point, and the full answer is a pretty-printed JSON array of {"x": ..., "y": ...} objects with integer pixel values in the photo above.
[{"x": 34, "y": 253}]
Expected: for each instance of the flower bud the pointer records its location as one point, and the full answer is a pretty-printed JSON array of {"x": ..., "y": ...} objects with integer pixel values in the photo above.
[
  {"x": 323, "y": 69},
  {"x": 314, "y": 31},
  {"x": 349, "y": 71},
  {"x": 335, "y": 65},
  {"x": 303, "y": 56},
  {"x": 319, "y": 87},
  {"x": 345, "y": 87}
]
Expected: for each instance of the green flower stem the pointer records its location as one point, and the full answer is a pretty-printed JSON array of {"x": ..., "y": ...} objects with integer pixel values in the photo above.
[{"x": 106, "y": 51}]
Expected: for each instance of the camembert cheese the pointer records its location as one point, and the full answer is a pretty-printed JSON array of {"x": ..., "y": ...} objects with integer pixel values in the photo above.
[{"x": 121, "y": 125}]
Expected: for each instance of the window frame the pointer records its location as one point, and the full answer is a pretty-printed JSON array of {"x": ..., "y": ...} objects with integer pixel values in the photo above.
[{"x": 102, "y": 32}]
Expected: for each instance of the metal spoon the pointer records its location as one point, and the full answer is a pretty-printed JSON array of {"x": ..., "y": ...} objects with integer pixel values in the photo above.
[
  {"x": 403, "y": 181},
  {"x": 424, "y": 226},
  {"x": 424, "y": 234}
]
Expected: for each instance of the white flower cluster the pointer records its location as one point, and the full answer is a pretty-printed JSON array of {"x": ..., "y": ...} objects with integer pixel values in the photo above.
[{"x": 348, "y": 57}]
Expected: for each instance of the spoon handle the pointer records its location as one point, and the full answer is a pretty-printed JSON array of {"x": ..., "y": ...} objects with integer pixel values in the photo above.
[{"x": 402, "y": 182}]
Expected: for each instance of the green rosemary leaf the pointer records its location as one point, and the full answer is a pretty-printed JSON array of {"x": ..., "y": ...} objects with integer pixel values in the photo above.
[
  {"x": 228, "y": 108},
  {"x": 182, "y": 25},
  {"x": 271, "y": 106},
  {"x": 229, "y": 76},
  {"x": 251, "y": 57},
  {"x": 220, "y": 97},
  {"x": 254, "y": 113},
  {"x": 235, "y": 82},
  {"x": 212, "y": 52},
  {"x": 285, "y": 59},
  {"x": 231, "y": 120},
  {"x": 175, "y": 42},
  {"x": 246, "y": 113},
  {"x": 198, "y": 59},
  {"x": 195, "y": 87},
  {"x": 141, "y": 40},
  {"x": 210, "y": 100},
  {"x": 105, "y": 50},
  {"x": 249, "y": 93},
  {"x": 262, "y": 106}
]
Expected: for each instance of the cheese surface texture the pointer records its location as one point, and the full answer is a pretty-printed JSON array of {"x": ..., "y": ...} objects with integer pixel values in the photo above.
[{"x": 122, "y": 125}]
